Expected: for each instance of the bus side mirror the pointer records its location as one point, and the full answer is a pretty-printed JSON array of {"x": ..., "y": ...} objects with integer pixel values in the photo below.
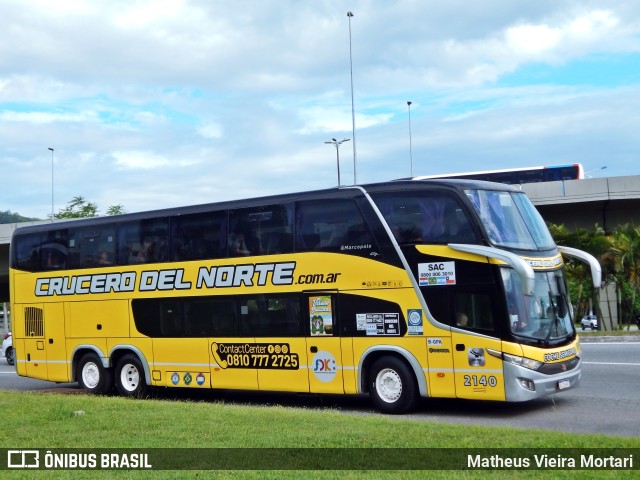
[
  {"x": 594, "y": 265},
  {"x": 522, "y": 268}
]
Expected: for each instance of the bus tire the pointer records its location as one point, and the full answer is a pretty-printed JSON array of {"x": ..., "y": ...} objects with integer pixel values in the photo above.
[
  {"x": 130, "y": 380},
  {"x": 92, "y": 376},
  {"x": 393, "y": 387}
]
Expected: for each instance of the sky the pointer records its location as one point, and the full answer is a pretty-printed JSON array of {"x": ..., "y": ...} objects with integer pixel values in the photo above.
[{"x": 154, "y": 104}]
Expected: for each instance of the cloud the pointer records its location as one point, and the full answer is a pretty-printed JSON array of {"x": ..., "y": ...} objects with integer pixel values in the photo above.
[
  {"x": 146, "y": 160},
  {"x": 47, "y": 117},
  {"x": 178, "y": 101},
  {"x": 210, "y": 131},
  {"x": 562, "y": 41}
]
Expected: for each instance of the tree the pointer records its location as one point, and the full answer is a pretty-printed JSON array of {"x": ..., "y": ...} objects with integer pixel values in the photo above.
[
  {"x": 626, "y": 253},
  {"x": 81, "y": 208},
  {"x": 598, "y": 244}
]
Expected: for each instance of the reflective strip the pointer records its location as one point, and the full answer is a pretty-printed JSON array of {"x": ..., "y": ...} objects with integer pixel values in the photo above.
[
  {"x": 460, "y": 370},
  {"x": 51, "y": 362}
]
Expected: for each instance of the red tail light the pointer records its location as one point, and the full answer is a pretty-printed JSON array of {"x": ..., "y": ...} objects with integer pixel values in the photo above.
[{"x": 7, "y": 335}]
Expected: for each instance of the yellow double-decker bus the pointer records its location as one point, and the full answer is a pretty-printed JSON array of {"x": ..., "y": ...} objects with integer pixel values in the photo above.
[{"x": 398, "y": 290}]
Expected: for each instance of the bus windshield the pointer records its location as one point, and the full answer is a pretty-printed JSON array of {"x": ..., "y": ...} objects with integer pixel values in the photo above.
[
  {"x": 546, "y": 316},
  {"x": 510, "y": 220}
]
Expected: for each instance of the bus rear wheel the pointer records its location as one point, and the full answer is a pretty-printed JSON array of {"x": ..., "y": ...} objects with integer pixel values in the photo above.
[
  {"x": 392, "y": 386},
  {"x": 130, "y": 380},
  {"x": 92, "y": 376}
]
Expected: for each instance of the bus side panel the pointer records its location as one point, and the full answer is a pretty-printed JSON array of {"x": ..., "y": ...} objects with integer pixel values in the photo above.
[
  {"x": 17, "y": 324},
  {"x": 479, "y": 375},
  {"x": 231, "y": 363},
  {"x": 349, "y": 366},
  {"x": 441, "y": 377},
  {"x": 284, "y": 367},
  {"x": 55, "y": 342},
  {"x": 99, "y": 319},
  {"x": 29, "y": 340},
  {"x": 179, "y": 362}
]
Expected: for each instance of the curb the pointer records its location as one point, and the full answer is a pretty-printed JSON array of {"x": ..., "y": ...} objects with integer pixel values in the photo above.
[{"x": 609, "y": 338}]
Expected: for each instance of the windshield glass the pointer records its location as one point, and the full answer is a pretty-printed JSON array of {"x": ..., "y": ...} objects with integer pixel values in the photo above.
[
  {"x": 546, "y": 316},
  {"x": 511, "y": 220}
]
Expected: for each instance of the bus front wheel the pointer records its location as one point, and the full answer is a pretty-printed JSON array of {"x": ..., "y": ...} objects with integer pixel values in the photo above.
[
  {"x": 130, "y": 380},
  {"x": 92, "y": 376},
  {"x": 392, "y": 386}
]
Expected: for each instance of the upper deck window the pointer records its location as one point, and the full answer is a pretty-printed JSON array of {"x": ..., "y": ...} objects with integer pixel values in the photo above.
[
  {"x": 334, "y": 225},
  {"x": 41, "y": 251},
  {"x": 425, "y": 217},
  {"x": 510, "y": 220}
]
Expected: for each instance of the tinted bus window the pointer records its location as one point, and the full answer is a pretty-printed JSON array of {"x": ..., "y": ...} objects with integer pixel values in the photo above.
[
  {"x": 333, "y": 225},
  {"x": 426, "y": 217},
  {"x": 271, "y": 315},
  {"x": 199, "y": 236},
  {"x": 186, "y": 317},
  {"x": 41, "y": 251},
  {"x": 26, "y": 252},
  {"x": 94, "y": 246},
  {"x": 144, "y": 241},
  {"x": 261, "y": 230},
  {"x": 210, "y": 317}
]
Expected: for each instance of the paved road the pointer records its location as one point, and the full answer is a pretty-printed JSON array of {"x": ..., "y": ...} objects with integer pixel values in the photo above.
[{"x": 608, "y": 400}]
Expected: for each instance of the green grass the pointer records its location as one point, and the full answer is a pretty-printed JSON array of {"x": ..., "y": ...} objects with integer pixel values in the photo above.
[{"x": 37, "y": 420}]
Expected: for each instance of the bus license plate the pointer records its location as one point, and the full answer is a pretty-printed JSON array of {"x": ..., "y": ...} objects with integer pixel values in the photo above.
[{"x": 564, "y": 384}]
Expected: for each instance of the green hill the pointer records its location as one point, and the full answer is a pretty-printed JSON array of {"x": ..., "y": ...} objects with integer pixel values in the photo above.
[{"x": 10, "y": 217}]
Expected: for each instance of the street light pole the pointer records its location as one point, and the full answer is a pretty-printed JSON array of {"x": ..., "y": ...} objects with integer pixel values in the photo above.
[
  {"x": 353, "y": 112},
  {"x": 337, "y": 144},
  {"x": 586, "y": 175},
  {"x": 410, "y": 148},
  {"x": 51, "y": 148}
]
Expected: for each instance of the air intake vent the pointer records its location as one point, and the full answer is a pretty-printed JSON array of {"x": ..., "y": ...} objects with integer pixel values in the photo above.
[{"x": 33, "y": 322}]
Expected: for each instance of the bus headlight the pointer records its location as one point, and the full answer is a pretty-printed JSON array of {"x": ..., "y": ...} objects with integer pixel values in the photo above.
[{"x": 522, "y": 361}]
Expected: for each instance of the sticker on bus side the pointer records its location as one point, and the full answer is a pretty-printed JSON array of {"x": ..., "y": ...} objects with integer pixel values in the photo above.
[
  {"x": 436, "y": 273},
  {"x": 255, "y": 355},
  {"x": 415, "y": 322},
  {"x": 324, "y": 366},
  {"x": 379, "y": 323},
  {"x": 320, "y": 315}
]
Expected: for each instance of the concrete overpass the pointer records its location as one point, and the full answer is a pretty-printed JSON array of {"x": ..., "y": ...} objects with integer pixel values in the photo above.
[
  {"x": 576, "y": 203},
  {"x": 609, "y": 202}
]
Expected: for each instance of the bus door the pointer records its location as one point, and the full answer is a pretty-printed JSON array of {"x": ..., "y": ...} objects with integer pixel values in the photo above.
[
  {"x": 325, "y": 360},
  {"x": 478, "y": 374},
  {"x": 44, "y": 342}
]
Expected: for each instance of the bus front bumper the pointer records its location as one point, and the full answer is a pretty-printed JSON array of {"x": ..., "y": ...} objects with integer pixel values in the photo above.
[{"x": 523, "y": 384}]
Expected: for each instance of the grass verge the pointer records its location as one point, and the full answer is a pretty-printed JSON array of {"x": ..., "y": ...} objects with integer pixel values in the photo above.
[{"x": 36, "y": 420}]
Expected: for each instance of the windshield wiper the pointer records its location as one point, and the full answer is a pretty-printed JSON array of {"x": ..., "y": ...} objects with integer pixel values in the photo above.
[{"x": 555, "y": 320}]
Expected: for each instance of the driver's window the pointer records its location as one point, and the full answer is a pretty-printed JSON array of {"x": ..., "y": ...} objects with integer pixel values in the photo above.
[{"x": 473, "y": 311}]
